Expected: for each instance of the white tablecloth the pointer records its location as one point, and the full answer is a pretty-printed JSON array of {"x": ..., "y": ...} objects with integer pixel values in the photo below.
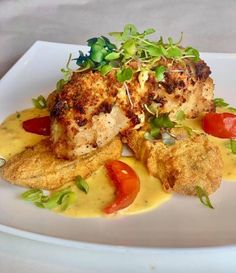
[{"x": 207, "y": 25}]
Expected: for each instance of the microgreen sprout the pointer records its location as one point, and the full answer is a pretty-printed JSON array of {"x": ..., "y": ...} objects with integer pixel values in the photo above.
[
  {"x": 67, "y": 72},
  {"x": 131, "y": 46}
]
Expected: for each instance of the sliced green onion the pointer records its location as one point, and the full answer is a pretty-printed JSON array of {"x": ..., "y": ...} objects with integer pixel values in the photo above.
[
  {"x": 233, "y": 145},
  {"x": 219, "y": 102},
  {"x": 232, "y": 109},
  {"x": 81, "y": 184},
  {"x": 40, "y": 102},
  {"x": 62, "y": 198},
  {"x": 33, "y": 195},
  {"x": 55, "y": 198},
  {"x": 203, "y": 196},
  {"x": 67, "y": 199}
]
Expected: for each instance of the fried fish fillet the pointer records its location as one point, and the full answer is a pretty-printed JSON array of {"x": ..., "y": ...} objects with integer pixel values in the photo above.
[
  {"x": 37, "y": 167},
  {"x": 190, "y": 162},
  {"x": 91, "y": 109}
]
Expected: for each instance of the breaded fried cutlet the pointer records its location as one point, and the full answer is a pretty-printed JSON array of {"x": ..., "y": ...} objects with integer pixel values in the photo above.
[
  {"x": 37, "y": 167},
  {"x": 91, "y": 109},
  {"x": 192, "y": 161}
]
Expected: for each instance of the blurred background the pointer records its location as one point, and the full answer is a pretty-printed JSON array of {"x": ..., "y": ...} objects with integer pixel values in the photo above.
[{"x": 208, "y": 25}]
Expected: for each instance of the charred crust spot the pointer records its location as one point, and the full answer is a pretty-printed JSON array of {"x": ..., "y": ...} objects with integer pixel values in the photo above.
[
  {"x": 181, "y": 84},
  {"x": 81, "y": 122},
  {"x": 150, "y": 97},
  {"x": 105, "y": 107},
  {"x": 94, "y": 145},
  {"x": 169, "y": 86},
  {"x": 202, "y": 70},
  {"x": 160, "y": 100},
  {"x": 192, "y": 82},
  {"x": 57, "y": 109},
  {"x": 133, "y": 118},
  {"x": 79, "y": 108}
]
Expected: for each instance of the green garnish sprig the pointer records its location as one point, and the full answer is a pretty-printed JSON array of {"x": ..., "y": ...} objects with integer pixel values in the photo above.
[
  {"x": 219, "y": 102},
  {"x": 61, "y": 199},
  {"x": 132, "y": 46},
  {"x": 67, "y": 74},
  {"x": 81, "y": 184},
  {"x": 39, "y": 102},
  {"x": 159, "y": 129},
  {"x": 203, "y": 196}
]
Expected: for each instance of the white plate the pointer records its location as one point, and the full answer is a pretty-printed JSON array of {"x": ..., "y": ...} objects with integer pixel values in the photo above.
[{"x": 181, "y": 222}]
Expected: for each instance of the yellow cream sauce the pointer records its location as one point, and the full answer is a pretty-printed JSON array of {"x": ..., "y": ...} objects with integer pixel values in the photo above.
[
  {"x": 102, "y": 193},
  {"x": 13, "y": 139}
]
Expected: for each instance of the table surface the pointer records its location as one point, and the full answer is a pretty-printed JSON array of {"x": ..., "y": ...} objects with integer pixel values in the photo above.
[{"x": 207, "y": 25}]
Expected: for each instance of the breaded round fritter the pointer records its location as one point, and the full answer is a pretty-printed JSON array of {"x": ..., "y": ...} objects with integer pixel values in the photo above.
[
  {"x": 190, "y": 162},
  {"x": 91, "y": 109},
  {"x": 37, "y": 167}
]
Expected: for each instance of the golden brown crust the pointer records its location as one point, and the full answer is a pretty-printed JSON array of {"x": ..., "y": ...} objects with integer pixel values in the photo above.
[
  {"x": 186, "y": 86},
  {"x": 37, "y": 167},
  {"x": 190, "y": 162}
]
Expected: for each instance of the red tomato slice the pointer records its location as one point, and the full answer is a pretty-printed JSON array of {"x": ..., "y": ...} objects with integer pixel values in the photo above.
[
  {"x": 222, "y": 125},
  {"x": 39, "y": 126},
  {"x": 126, "y": 182}
]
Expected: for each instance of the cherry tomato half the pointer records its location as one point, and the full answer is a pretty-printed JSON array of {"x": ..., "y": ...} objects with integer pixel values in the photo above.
[
  {"x": 39, "y": 126},
  {"x": 126, "y": 182},
  {"x": 222, "y": 125}
]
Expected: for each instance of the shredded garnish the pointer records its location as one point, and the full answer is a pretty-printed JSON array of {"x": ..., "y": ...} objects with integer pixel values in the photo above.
[
  {"x": 128, "y": 95},
  {"x": 81, "y": 184},
  {"x": 203, "y": 196}
]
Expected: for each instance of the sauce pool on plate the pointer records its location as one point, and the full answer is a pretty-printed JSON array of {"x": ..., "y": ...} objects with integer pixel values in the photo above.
[{"x": 14, "y": 139}]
